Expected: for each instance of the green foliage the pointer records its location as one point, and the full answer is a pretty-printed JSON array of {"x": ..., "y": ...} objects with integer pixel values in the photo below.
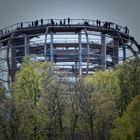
[
  {"x": 21, "y": 118},
  {"x": 105, "y": 83},
  {"x": 2, "y": 94},
  {"x": 31, "y": 80},
  {"x": 29, "y": 88},
  {"x": 128, "y": 126},
  {"x": 45, "y": 106},
  {"x": 119, "y": 86},
  {"x": 53, "y": 107},
  {"x": 105, "y": 113},
  {"x": 129, "y": 81}
]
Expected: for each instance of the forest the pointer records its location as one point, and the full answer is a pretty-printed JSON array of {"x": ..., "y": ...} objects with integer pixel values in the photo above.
[{"x": 47, "y": 106}]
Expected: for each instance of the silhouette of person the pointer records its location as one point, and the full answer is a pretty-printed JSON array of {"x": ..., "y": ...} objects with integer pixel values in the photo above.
[
  {"x": 68, "y": 21},
  {"x": 99, "y": 23},
  {"x": 52, "y": 22},
  {"x": 41, "y": 22},
  {"x": 21, "y": 25},
  {"x": 126, "y": 29},
  {"x": 85, "y": 23},
  {"x": 64, "y": 21},
  {"x": 32, "y": 23},
  {"x": 36, "y": 22},
  {"x": 105, "y": 24},
  {"x": 109, "y": 25},
  {"x": 116, "y": 27},
  {"x": 60, "y": 22}
]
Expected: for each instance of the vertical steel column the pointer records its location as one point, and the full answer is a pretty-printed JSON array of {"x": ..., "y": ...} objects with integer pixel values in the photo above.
[
  {"x": 51, "y": 49},
  {"x": 80, "y": 53},
  {"x": 3, "y": 66},
  {"x": 9, "y": 63},
  {"x": 26, "y": 44},
  {"x": 103, "y": 51},
  {"x": 45, "y": 45},
  {"x": 8, "y": 67},
  {"x": 115, "y": 54},
  {"x": 124, "y": 52},
  {"x": 123, "y": 46},
  {"x": 88, "y": 50}
]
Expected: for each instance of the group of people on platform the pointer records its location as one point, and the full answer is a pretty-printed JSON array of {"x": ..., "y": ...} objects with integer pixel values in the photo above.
[
  {"x": 68, "y": 22},
  {"x": 108, "y": 26},
  {"x": 41, "y": 23}
]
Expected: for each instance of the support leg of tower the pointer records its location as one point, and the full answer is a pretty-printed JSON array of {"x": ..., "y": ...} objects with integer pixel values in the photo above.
[
  {"x": 103, "y": 51},
  {"x": 88, "y": 47},
  {"x": 51, "y": 49},
  {"x": 115, "y": 54},
  {"x": 27, "y": 45},
  {"x": 11, "y": 64},
  {"x": 123, "y": 46},
  {"x": 80, "y": 53},
  {"x": 45, "y": 45}
]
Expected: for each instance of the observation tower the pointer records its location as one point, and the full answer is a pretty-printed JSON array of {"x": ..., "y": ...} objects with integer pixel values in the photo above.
[{"x": 76, "y": 47}]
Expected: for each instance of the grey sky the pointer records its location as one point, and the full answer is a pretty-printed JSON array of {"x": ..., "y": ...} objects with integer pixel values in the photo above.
[{"x": 123, "y": 12}]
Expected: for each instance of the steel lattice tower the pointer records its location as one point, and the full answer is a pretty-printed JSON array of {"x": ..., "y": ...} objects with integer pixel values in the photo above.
[{"x": 76, "y": 47}]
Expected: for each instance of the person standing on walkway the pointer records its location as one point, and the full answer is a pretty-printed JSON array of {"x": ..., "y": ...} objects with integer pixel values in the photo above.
[
  {"x": 68, "y": 21},
  {"x": 41, "y": 22}
]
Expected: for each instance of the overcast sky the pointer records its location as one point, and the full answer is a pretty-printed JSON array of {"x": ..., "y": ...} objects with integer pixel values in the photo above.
[{"x": 123, "y": 12}]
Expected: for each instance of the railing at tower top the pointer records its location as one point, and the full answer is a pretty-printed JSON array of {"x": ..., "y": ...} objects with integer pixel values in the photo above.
[{"x": 58, "y": 22}]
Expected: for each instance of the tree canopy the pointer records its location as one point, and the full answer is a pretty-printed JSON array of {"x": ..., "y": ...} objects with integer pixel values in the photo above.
[{"x": 44, "y": 105}]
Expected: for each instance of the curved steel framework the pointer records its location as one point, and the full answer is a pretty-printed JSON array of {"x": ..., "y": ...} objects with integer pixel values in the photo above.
[{"x": 76, "y": 47}]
